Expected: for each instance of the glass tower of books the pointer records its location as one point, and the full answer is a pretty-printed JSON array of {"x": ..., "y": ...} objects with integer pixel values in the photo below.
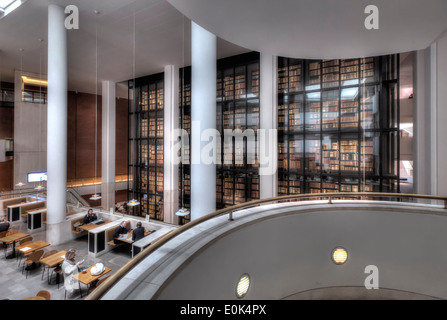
[{"x": 338, "y": 125}]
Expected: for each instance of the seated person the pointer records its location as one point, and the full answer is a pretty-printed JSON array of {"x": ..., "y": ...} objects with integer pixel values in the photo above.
[
  {"x": 138, "y": 233},
  {"x": 4, "y": 225},
  {"x": 90, "y": 217},
  {"x": 120, "y": 230},
  {"x": 69, "y": 268}
]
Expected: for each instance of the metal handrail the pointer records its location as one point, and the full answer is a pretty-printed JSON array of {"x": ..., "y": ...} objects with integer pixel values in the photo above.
[{"x": 107, "y": 284}]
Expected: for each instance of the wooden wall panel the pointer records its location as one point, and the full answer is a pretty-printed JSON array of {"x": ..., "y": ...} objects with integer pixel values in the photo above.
[
  {"x": 6, "y": 123},
  {"x": 122, "y": 137},
  {"x": 85, "y": 136},
  {"x": 6, "y": 175},
  {"x": 71, "y": 145}
]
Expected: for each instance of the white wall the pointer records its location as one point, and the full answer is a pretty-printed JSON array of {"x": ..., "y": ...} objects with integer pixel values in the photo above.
[{"x": 286, "y": 249}]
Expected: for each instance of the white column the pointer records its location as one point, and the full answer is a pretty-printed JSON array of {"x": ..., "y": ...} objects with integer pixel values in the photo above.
[
  {"x": 203, "y": 117},
  {"x": 57, "y": 124},
  {"x": 108, "y": 144},
  {"x": 171, "y": 123},
  {"x": 421, "y": 172},
  {"x": 268, "y": 123}
]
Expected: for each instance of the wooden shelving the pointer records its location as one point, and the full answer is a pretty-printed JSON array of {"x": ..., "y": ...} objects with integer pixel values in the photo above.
[{"x": 337, "y": 131}]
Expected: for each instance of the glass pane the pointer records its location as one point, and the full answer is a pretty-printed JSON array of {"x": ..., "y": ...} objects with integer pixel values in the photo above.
[
  {"x": 369, "y": 106},
  {"x": 331, "y": 73},
  {"x": 349, "y": 72},
  {"x": 349, "y": 110},
  {"x": 370, "y": 154},
  {"x": 313, "y": 154},
  {"x": 313, "y": 78},
  {"x": 313, "y": 111},
  {"x": 228, "y": 85},
  {"x": 295, "y": 117},
  {"x": 330, "y": 110},
  {"x": 240, "y": 83},
  {"x": 295, "y": 75},
  {"x": 296, "y": 153},
  {"x": 331, "y": 161},
  {"x": 253, "y": 80},
  {"x": 349, "y": 153}
]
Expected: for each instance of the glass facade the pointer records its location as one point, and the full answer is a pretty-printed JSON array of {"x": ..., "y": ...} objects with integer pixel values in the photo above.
[{"x": 338, "y": 125}]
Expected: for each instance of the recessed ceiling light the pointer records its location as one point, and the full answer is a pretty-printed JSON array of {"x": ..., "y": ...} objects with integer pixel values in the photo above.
[
  {"x": 242, "y": 286},
  {"x": 339, "y": 255}
]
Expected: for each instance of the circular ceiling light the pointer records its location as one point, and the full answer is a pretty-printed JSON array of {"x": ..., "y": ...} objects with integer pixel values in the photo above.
[
  {"x": 242, "y": 286},
  {"x": 339, "y": 255}
]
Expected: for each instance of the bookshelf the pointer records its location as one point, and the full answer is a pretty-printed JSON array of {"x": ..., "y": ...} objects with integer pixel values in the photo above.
[
  {"x": 148, "y": 94},
  {"x": 337, "y": 125},
  {"x": 237, "y": 109}
]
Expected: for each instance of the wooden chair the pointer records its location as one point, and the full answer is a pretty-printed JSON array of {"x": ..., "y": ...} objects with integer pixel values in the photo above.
[
  {"x": 93, "y": 287},
  {"x": 22, "y": 242},
  {"x": 44, "y": 294},
  {"x": 33, "y": 258},
  {"x": 5, "y": 246},
  {"x": 59, "y": 273},
  {"x": 10, "y": 233},
  {"x": 47, "y": 254}
]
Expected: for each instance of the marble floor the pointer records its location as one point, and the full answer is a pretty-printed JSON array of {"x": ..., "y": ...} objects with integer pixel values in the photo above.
[{"x": 15, "y": 286}]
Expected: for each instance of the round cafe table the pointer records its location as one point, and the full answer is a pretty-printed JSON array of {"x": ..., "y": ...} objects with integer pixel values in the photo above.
[{"x": 35, "y": 298}]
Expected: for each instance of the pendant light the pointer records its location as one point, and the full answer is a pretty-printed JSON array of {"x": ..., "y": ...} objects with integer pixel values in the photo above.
[
  {"x": 183, "y": 211},
  {"x": 96, "y": 196},
  {"x": 40, "y": 187},
  {"x": 20, "y": 183},
  {"x": 133, "y": 202}
]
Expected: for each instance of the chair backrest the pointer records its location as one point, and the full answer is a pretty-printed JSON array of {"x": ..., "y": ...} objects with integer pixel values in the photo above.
[
  {"x": 36, "y": 255},
  {"x": 49, "y": 253},
  {"x": 26, "y": 240},
  {"x": 11, "y": 232},
  {"x": 44, "y": 294},
  {"x": 3, "y": 234}
]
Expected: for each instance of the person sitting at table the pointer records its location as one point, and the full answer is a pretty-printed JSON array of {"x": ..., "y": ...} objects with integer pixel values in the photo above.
[
  {"x": 70, "y": 268},
  {"x": 4, "y": 224},
  {"x": 90, "y": 217},
  {"x": 138, "y": 232},
  {"x": 120, "y": 230}
]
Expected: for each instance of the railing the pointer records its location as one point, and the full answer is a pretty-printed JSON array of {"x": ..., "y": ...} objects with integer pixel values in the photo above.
[
  {"x": 95, "y": 181},
  {"x": 75, "y": 198},
  {"x": 21, "y": 193},
  {"x": 101, "y": 290}
]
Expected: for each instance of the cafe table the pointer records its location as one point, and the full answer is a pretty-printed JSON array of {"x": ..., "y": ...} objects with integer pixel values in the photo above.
[
  {"x": 13, "y": 238},
  {"x": 53, "y": 261},
  {"x": 85, "y": 277}
]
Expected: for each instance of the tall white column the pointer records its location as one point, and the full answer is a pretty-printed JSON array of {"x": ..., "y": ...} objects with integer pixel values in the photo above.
[
  {"x": 203, "y": 117},
  {"x": 108, "y": 144},
  {"x": 57, "y": 124},
  {"x": 171, "y": 123},
  {"x": 268, "y": 123}
]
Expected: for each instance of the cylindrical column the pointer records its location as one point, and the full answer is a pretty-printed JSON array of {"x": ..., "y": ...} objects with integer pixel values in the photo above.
[
  {"x": 203, "y": 121},
  {"x": 268, "y": 152},
  {"x": 108, "y": 144},
  {"x": 57, "y": 120},
  {"x": 171, "y": 124}
]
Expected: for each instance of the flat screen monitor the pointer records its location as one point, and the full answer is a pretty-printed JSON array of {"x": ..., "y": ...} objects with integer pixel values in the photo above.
[{"x": 37, "y": 177}]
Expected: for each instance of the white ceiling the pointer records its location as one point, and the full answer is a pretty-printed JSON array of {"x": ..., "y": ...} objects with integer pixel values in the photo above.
[
  {"x": 320, "y": 28},
  {"x": 162, "y": 38},
  {"x": 301, "y": 29}
]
